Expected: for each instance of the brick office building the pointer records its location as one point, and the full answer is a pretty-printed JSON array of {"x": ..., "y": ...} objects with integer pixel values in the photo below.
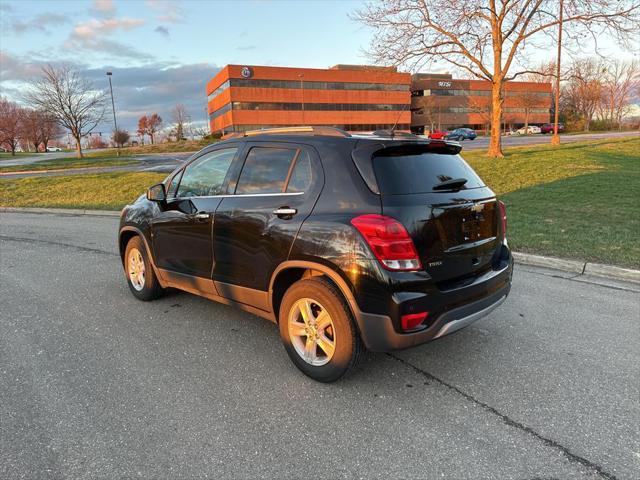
[
  {"x": 441, "y": 102},
  {"x": 363, "y": 98},
  {"x": 355, "y": 98}
]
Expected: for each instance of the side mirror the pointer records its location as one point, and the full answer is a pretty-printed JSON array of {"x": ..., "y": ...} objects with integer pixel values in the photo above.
[{"x": 157, "y": 193}]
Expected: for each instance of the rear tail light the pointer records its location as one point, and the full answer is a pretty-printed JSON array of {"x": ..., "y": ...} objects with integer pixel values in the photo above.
[
  {"x": 413, "y": 320},
  {"x": 389, "y": 241},
  {"x": 503, "y": 218}
]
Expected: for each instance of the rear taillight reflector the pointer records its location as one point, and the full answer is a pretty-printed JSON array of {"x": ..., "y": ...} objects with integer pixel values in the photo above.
[
  {"x": 413, "y": 320},
  {"x": 389, "y": 241},
  {"x": 503, "y": 218}
]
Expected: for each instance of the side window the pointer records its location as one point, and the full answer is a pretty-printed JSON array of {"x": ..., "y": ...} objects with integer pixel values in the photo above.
[
  {"x": 302, "y": 174},
  {"x": 205, "y": 176},
  {"x": 173, "y": 185},
  {"x": 265, "y": 170}
]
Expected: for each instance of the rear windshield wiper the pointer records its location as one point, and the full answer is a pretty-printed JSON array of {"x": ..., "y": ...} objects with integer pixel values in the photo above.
[{"x": 453, "y": 184}]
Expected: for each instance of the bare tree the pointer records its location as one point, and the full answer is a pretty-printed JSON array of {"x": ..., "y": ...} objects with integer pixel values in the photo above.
[
  {"x": 72, "y": 100},
  {"x": 179, "y": 114},
  {"x": 120, "y": 137},
  {"x": 49, "y": 129},
  {"x": 583, "y": 91},
  {"x": 142, "y": 127},
  {"x": 154, "y": 122},
  {"x": 486, "y": 38},
  {"x": 30, "y": 128},
  {"x": 621, "y": 80},
  {"x": 11, "y": 119},
  {"x": 527, "y": 101}
]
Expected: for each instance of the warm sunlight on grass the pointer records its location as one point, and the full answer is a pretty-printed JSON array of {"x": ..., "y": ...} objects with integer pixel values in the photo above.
[{"x": 109, "y": 191}]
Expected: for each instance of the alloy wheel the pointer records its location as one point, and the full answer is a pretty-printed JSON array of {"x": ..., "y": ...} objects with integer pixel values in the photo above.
[
  {"x": 312, "y": 332},
  {"x": 136, "y": 269}
]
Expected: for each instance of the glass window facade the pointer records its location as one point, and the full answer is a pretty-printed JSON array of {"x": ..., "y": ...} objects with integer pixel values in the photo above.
[
  {"x": 293, "y": 84},
  {"x": 478, "y": 110},
  {"x": 471, "y": 93},
  {"x": 350, "y": 127},
  {"x": 334, "y": 107}
]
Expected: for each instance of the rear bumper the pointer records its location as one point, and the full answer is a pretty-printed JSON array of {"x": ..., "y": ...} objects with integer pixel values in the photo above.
[{"x": 379, "y": 335}]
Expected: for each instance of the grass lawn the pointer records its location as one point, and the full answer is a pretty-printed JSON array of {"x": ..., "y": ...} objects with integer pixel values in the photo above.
[
  {"x": 71, "y": 162},
  {"x": 580, "y": 200},
  {"x": 170, "y": 147},
  {"x": 107, "y": 191}
]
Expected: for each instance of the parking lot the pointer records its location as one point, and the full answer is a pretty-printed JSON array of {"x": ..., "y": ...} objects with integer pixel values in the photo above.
[{"x": 94, "y": 383}]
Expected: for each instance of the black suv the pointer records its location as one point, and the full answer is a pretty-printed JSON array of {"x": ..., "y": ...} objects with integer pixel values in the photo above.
[{"x": 379, "y": 241}]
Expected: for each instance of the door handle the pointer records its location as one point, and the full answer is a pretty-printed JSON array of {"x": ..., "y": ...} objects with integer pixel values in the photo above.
[
  {"x": 285, "y": 211},
  {"x": 202, "y": 216}
]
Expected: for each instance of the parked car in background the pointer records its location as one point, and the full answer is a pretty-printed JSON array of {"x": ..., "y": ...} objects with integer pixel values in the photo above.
[
  {"x": 461, "y": 134},
  {"x": 548, "y": 128},
  {"x": 54, "y": 149},
  {"x": 530, "y": 130},
  {"x": 437, "y": 135},
  {"x": 331, "y": 236}
]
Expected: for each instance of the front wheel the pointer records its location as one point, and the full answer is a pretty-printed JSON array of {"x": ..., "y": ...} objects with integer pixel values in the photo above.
[
  {"x": 318, "y": 330},
  {"x": 141, "y": 278}
]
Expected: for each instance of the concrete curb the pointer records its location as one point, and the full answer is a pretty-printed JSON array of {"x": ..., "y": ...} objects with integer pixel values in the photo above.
[
  {"x": 62, "y": 211},
  {"x": 572, "y": 266},
  {"x": 578, "y": 267}
]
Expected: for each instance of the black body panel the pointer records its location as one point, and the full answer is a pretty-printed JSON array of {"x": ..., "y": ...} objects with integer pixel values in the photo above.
[{"x": 240, "y": 251}]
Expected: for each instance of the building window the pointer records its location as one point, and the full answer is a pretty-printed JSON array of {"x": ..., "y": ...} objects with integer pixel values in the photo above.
[
  {"x": 476, "y": 93},
  {"x": 339, "y": 107}
]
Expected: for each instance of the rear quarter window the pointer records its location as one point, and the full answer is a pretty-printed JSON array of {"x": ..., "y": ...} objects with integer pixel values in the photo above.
[{"x": 419, "y": 173}]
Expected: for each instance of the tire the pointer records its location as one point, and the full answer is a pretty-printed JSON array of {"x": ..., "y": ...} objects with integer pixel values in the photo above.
[
  {"x": 319, "y": 297},
  {"x": 144, "y": 287}
]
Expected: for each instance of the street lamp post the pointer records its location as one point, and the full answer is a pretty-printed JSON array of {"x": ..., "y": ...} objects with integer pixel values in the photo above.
[
  {"x": 113, "y": 107},
  {"x": 555, "y": 139}
]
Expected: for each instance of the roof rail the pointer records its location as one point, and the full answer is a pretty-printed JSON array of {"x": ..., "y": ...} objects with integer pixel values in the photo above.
[{"x": 316, "y": 131}]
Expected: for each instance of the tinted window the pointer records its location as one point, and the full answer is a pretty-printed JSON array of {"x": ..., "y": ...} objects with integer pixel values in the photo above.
[
  {"x": 302, "y": 174},
  {"x": 205, "y": 176},
  {"x": 401, "y": 174},
  {"x": 265, "y": 170}
]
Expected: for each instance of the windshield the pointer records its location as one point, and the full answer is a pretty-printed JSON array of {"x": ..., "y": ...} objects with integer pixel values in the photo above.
[{"x": 420, "y": 173}]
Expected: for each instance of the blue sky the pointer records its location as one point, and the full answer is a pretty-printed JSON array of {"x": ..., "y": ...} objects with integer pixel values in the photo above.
[{"x": 163, "y": 52}]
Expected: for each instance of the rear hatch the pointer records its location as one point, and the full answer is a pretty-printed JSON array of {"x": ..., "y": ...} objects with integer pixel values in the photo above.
[{"x": 451, "y": 215}]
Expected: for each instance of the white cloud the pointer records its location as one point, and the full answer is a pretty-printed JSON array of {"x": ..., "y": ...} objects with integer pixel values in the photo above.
[
  {"x": 93, "y": 36},
  {"x": 104, "y": 7},
  {"x": 94, "y": 27},
  {"x": 152, "y": 87},
  {"x": 168, "y": 11},
  {"x": 40, "y": 22},
  {"x": 162, "y": 30}
]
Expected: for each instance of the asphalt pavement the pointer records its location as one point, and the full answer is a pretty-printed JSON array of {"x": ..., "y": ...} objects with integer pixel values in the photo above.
[
  {"x": 522, "y": 140},
  {"x": 95, "y": 384}
]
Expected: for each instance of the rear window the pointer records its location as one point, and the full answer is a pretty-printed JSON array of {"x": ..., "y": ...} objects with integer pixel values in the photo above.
[{"x": 419, "y": 173}]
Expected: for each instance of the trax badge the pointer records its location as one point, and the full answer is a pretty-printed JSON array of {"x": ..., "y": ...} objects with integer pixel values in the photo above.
[{"x": 435, "y": 264}]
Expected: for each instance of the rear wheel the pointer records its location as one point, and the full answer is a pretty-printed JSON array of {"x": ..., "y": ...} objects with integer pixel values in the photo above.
[
  {"x": 141, "y": 278},
  {"x": 318, "y": 331}
]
